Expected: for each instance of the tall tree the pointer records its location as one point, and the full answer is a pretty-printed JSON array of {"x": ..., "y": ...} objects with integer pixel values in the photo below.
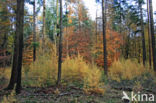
[
  {"x": 140, "y": 2},
  {"x": 152, "y": 34},
  {"x": 104, "y": 20},
  {"x": 60, "y": 46},
  {"x": 34, "y": 30},
  {"x": 149, "y": 34},
  {"x": 18, "y": 48},
  {"x": 44, "y": 22},
  {"x": 19, "y": 28}
]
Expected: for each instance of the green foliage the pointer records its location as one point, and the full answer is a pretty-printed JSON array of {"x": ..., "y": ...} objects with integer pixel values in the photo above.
[{"x": 36, "y": 44}]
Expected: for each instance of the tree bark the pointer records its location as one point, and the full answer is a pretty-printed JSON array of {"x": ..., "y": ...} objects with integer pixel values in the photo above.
[
  {"x": 104, "y": 35},
  {"x": 60, "y": 47}
]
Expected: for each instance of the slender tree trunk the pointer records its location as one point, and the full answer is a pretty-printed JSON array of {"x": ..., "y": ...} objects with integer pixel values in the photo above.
[
  {"x": 44, "y": 23},
  {"x": 96, "y": 35},
  {"x": 104, "y": 35},
  {"x": 34, "y": 30},
  {"x": 18, "y": 49},
  {"x": 143, "y": 36},
  {"x": 152, "y": 34},
  {"x": 67, "y": 46},
  {"x": 149, "y": 35},
  {"x": 60, "y": 47}
]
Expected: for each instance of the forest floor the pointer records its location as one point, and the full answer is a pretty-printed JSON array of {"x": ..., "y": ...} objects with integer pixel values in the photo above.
[
  {"x": 75, "y": 93},
  {"x": 70, "y": 94}
]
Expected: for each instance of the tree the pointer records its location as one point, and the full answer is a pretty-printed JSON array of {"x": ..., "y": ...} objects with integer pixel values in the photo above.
[
  {"x": 152, "y": 34},
  {"x": 104, "y": 20},
  {"x": 34, "y": 30},
  {"x": 60, "y": 46},
  {"x": 18, "y": 48},
  {"x": 44, "y": 23},
  {"x": 149, "y": 34},
  {"x": 142, "y": 31}
]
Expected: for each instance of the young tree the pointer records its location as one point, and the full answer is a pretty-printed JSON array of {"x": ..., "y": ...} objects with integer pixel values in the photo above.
[
  {"x": 152, "y": 34},
  {"x": 18, "y": 49},
  {"x": 60, "y": 47}
]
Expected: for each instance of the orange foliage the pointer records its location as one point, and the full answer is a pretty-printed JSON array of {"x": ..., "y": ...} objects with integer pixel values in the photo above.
[
  {"x": 76, "y": 43},
  {"x": 114, "y": 42},
  {"x": 28, "y": 51}
]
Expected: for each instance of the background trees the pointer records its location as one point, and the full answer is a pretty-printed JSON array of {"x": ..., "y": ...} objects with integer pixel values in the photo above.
[{"x": 65, "y": 31}]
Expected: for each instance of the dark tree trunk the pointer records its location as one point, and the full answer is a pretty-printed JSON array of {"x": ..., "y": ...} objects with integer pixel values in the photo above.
[
  {"x": 18, "y": 49},
  {"x": 142, "y": 32},
  {"x": 60, "y": 47},
  {"x": 104, "y": 35},
  {"x": 3, "y": 46},
  {"x": 149, "y": 35},
  {"x": 44, "y": 29},
  {"x": 152, "y": 34},
  {"x": 19, "y": 28},
  {"x": 34, "y": 31}
]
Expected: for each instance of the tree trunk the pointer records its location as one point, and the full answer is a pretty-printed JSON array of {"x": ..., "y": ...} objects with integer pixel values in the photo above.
[
  {"x": 34, "y": 31},
  {"x": 44, "y": 29},
  {"x": 19, "y": 28},
  {"x": 18, "y": 49},
  {"x": 149, "y": 35},
  {"x": 104, "y": 35},
  {"x": 152, "y": 34},
  {"x": 60, "y": 47},
  {"x": 143, "y": 36}
]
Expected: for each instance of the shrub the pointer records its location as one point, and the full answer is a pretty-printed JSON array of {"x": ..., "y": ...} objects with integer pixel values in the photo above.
[
  {"x": 77, "y": 69},
  {"x": 126, "y": 70},
  {"x": 44, "y": 72}
]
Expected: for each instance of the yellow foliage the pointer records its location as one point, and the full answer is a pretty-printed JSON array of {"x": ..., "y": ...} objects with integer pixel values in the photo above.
[
  {"x": 57, "y": 92},
  {"x": 78, "y": 69},
  {"x": 5, "y": 72},
  {"x": 44, "y": 70},
  {"x": 125, "y": 70}
]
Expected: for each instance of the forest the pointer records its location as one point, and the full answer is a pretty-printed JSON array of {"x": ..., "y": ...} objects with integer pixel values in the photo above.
[{"x": 70, "y": 51}]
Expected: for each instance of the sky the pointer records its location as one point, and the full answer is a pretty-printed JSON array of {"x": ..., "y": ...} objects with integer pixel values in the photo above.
[{"x": 92, "y": 6}]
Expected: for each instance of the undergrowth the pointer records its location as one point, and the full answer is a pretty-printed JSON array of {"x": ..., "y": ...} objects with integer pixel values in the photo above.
[{"x": 126, "y": 70}]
